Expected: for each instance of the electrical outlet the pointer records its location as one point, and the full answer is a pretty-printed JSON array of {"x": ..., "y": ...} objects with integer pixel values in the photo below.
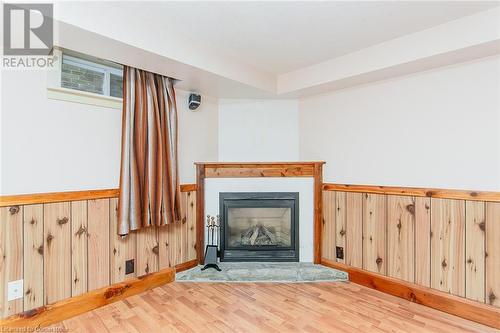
[
  {"x": 129, "y": 266},
  {"x": 340, "y": 252},
  {"x": 14, "y": 290}
]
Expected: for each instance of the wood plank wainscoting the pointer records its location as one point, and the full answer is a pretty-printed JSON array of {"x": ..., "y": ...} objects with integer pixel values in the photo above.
[
  {"x": 439, "y": 248},
  {"x": 259, "y": 169},
  {"x": 64, "y": 245}
]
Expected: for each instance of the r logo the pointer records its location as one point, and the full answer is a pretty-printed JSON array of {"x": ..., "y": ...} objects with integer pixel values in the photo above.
[{"x": 27, "y": 28}]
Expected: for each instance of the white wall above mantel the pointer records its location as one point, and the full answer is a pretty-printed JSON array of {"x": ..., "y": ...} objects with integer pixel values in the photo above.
[
  {"x": 258, "y": 130},
  {"x": 305, "y": 187}
]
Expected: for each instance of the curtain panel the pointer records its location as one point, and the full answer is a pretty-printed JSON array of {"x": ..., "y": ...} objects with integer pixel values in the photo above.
[{"x": 149, "y": 179}]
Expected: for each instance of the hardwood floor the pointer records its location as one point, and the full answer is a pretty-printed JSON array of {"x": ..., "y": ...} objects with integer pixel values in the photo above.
[{"x": 266, "y": 307}]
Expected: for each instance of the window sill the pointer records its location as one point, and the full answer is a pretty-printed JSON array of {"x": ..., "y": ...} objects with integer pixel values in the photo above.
[{"x": 83, "y": 97}]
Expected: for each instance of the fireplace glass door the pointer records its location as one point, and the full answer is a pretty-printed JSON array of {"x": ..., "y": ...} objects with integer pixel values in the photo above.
[{"x": 259, "y": 226}]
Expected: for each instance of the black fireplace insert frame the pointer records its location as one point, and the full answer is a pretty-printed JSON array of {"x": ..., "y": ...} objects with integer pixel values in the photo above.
[{"x": 259, "y": 200}]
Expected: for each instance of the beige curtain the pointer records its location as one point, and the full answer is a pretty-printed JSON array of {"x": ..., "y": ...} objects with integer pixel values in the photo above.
[{"x": 149, "y": 181}]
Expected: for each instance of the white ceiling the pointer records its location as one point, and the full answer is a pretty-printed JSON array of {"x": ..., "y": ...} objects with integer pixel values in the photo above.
[
  {"x": 279, "y": 37},
  {"x": 214, "y": 46}
]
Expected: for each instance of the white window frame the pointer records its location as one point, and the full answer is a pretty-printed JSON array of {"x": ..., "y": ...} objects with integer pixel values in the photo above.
[
  {"x": 96, "y": 67},
  {"x": 57, "y": 92}
]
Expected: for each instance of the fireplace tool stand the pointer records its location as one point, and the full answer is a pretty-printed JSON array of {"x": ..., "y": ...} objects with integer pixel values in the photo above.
[{"x": 211, "y": 249}]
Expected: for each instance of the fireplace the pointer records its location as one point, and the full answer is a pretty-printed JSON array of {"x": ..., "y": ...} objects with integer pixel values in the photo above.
[{"x": 259, "y": 226}]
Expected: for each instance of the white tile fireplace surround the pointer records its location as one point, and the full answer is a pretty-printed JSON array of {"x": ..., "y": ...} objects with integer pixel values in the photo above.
[{"x": 304, "y": 186}]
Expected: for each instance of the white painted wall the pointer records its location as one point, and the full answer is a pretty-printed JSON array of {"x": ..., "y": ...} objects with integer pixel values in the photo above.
[
  {"x": 305, "y": 187},
  {"x": 50, "y": 145},
  {"x": 258, "y": 130},
  {"x": 198, "y": 135},
  {"x": 439, "y": 128}
]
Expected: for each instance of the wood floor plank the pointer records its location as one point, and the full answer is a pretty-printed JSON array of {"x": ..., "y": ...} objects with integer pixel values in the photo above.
[{"x": 267, "y": 307}]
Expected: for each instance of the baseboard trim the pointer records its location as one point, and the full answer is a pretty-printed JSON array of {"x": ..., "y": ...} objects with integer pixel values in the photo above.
[
  {"x": 458, "y": 306},
  {"x": 59, "y": 311},
  {"x": 186, "y": 265}
]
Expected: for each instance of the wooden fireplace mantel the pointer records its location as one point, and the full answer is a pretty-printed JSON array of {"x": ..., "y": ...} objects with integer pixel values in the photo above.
[
  {"x": 256, "y": 169},
  {"x": 312, "y": 169}
]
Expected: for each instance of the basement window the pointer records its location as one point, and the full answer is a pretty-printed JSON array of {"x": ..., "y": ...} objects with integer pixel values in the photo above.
[
  {"x": 91, "y": 76},
  {"x": 85, "y": 79}
]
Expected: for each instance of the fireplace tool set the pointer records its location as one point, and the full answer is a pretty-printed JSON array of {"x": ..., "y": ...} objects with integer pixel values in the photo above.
[{"x": 213, "y": 223}]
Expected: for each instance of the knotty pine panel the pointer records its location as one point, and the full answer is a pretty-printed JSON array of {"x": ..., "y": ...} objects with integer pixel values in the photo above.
[
  {"x": 169, "y": 245},
  {"x": 121, "y": 248},
  {"x": 423, "y": 241},
  {"x": 11, "y": 248},
  {"x": 62, "y": 249},
  {"x": 400, "y": 237},
  {"x": 33, "y": 256},
  {"x": 448, "y": 246},
  {"x": 493, "y": 253},
  {"x": 183, "y": 230},
  {"x": 79, "y": 235},
  {"x": 175, "y": 246},
  {"x": 340, "y": 222},
  {"x": 147, "y": 250},
  {"x": 177, "y": 241},
  {"x": 98, "y": 243},
  {"x": 374, "y": 233},
  {"x": 475, "y": 226},
  {"x": 164, "y": 259},
  {"x": 455, "y": 242},
  {"x": 57, "y": 251},
  {"x": 328, "y": 233},
  {"x": 191, "y": 225},
  {"x": 354, "y": 230}
]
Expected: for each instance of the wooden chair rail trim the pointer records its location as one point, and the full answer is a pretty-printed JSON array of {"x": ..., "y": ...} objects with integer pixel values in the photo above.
[
  {"x": 416, "y": 191},
  {"x": 59, "y": 311},
  {"x": 458, "y": 306},
  {"x": 39, "y": 198},
  {"x": 188, "y": 187}
]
